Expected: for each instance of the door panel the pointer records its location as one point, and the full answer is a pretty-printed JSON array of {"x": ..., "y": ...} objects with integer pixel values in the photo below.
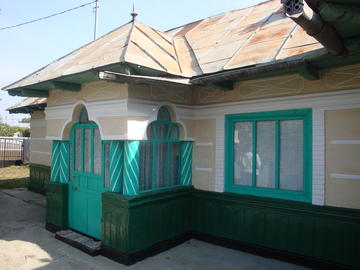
[{"x": 85, "y": 209}]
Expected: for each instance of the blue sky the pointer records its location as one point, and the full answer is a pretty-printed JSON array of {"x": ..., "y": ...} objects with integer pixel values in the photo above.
[{"x": 27, "y": 48}]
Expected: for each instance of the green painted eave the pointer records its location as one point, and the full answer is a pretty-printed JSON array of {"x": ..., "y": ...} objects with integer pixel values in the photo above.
[
  {"x": 73, "y": 82},
  {"x": 28, "y": 109}
]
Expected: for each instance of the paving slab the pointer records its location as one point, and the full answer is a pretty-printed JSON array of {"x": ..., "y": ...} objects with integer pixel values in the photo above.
[{"x": 25, "y": 245}]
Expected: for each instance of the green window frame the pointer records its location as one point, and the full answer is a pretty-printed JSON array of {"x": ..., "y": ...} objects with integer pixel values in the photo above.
[
  {"x": 159, "y": 154},
  {"x": 277, "y": 120}
]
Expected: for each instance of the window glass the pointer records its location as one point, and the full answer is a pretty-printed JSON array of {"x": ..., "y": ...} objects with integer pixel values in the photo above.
[
  {"x": 161, "y": 164},
  {"x": 291, "y": 155},
  {"x": 78, "y": 158},
  {"x": 97, "y": 151},
  {"x": 87, "y": 152},
  {"x": 265, "y": 158},
  {"x": 268, "y": 153},
  {"x": 145, "y": 158},
  {"x": 106, "y": 165},
  {"x": 243, "y": 153},
  {"x": 174, "y": 132},
  {"x": 161, "y": 131}
]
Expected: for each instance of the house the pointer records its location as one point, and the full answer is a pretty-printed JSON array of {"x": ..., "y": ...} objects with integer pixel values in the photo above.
[{"x": 240, "y": 129}]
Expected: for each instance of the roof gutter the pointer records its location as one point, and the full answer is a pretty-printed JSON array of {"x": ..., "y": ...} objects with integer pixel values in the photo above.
[{"x": 303, "y": 15}]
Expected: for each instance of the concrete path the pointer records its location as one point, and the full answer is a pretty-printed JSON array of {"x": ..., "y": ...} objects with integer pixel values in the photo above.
[{"x": 25, "y": 244}]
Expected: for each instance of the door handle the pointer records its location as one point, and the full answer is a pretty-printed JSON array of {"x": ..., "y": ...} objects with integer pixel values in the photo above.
[{"x": 74, "y": 188}]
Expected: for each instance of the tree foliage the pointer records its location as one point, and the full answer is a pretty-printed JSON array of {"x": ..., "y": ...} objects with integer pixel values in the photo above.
[
  {"x": 25, "y": 120},
  {"x": 9, "y": 131}
]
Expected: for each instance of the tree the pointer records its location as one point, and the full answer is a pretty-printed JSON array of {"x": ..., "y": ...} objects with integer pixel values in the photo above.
[
  {"x": 25, "y": 120},
  {"x": 9, "y": 131}
]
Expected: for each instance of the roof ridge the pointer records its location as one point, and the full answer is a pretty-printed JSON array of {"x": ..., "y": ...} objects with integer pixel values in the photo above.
[
  {"x": 62, "y": 57},
  {"x": 161, "y": 47},
  {"x": 122, "y": 57}
]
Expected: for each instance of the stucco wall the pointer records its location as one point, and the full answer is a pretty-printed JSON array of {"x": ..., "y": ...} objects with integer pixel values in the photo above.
[
  {"x": 204, "y": 154},
  {"x": 342, "y": 78},
  {"x": 40, "y": 148},
  {"x": 342, "y": 135},
  {"x": 93, "y": 91}
]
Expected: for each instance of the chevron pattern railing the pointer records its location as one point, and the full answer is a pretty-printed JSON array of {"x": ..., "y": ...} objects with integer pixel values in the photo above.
[{"x": 60, "y": 162}]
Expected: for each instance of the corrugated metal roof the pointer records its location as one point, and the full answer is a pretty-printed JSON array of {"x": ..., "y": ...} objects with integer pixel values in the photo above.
[
  {"x": 32, "y": 101},
  {"x": 239, "y": 38}
]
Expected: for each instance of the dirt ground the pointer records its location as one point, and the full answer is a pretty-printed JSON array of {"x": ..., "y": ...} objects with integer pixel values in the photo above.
[{"x": 25, "y": 244}]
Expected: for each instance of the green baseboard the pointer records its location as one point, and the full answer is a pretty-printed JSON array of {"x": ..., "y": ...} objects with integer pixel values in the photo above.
[
  {"x": 326, "y": 233},
  {"x": 39, "y": 176},
  {"x": 134, "y": 223},
  {"x": 57, "y": 205}
]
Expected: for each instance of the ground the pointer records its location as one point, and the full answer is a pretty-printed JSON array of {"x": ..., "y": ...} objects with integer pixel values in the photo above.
[
  {"x": 14, "y": 176},
  {"x": 25, "y": 245}
]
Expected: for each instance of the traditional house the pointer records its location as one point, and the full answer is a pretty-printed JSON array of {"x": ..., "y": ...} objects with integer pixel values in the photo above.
[{"x": 240, "y": 129}]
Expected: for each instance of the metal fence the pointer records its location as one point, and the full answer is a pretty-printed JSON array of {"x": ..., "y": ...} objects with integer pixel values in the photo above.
[{"x": 14, "y": 150}]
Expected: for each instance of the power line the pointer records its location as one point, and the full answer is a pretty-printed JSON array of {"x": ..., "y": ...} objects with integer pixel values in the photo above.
[{"x": 47, "y": 17}]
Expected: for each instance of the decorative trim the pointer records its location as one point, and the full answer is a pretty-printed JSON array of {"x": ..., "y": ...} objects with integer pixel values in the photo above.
[
  {"x": 203, "y": 169},
  {"x": 345, "y": 176},
  {"x": 318, "y": 156},
  {"x": 220, "y": 154},
  {"x": 204, "y": 144},
  {"x": 41, "y": 153},
  {"x": 345, "y": 142}
]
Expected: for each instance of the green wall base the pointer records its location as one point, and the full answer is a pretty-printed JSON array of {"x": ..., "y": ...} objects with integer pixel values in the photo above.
[
  {"x": 326, "y": 236},
  {"x": 39, "y": 176},
  {"x": 56, "y": 205},
  {"x": 134, "y": 223},
  {"x": 135, "y": 227}
]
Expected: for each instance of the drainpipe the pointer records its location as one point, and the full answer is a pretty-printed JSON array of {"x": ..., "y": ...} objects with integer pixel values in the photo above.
[{"x": 301, "y": 13}]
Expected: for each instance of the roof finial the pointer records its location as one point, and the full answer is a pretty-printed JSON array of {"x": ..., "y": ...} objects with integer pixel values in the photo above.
[{"x": 133, "y": 13}]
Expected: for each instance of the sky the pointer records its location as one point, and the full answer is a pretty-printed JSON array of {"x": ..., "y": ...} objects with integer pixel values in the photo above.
[{"x": 27, "y": 48}]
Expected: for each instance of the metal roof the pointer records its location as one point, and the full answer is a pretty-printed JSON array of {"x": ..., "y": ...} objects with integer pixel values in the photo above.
[
  {"x": 235, "y": 39},
  {"x": 28, "y": 105}
]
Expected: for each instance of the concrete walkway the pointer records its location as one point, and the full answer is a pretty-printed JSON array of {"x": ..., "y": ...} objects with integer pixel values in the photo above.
[{"x": 25, "y": 244}]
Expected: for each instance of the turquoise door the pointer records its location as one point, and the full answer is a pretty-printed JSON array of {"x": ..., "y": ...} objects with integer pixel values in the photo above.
[{"x": 86, "y": 180}]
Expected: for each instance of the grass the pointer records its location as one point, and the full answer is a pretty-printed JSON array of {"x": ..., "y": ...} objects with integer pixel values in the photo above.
[{"x": 14, "y": 177}]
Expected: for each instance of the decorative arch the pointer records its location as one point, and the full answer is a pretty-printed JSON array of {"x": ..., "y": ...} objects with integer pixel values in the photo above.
[{"x": 76, "y": 112}]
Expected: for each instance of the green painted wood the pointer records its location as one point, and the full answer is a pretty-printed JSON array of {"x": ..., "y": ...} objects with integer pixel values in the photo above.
[
  {"x": 186, "y": 163},
  {"x": 57, "y": 204},
  {"x": 131, "y": 167},
  {"x": 133, "y": 223},
  {"x": 65, "y": 86},
  {"x": 33, "y": 93},
  {"x": 116, "y": 166},
  {"x": 39, "y": 177},
  {"x": 301, "y": 114},
  {"x": 328, "y": 233},
  {"x": 85, "y": 189},
  {"x": 60, "y": 162}
]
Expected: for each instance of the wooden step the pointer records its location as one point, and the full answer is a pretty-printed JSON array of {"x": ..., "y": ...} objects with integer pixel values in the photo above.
[{"x": 80, "y": 241}]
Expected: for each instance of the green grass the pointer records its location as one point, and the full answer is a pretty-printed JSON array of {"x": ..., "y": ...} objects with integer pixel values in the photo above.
[{"x": 14, "y": 177}]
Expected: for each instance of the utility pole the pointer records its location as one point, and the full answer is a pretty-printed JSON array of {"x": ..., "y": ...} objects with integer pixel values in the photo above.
[{"x": 96, "y": 9}]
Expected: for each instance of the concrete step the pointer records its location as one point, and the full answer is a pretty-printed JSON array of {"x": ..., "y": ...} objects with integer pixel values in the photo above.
[{"x": 80, "y": 241}]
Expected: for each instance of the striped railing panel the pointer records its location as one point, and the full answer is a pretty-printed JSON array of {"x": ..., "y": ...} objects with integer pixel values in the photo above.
[
  {"x": 131, "y": 167},
  {"x": 186, "y": 163}
]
